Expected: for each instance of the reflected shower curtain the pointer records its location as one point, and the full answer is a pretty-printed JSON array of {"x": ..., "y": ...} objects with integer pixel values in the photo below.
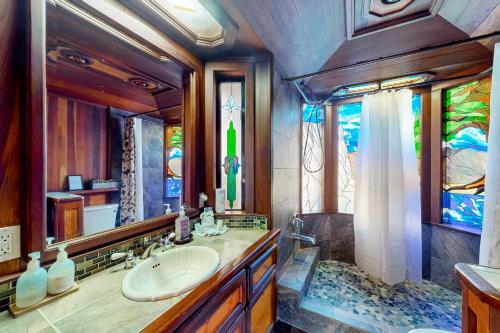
[
  {"x": 129, "y": 188},
  {"x": 489, "y": 253},
  {"x": 139, "y": 198},
  {"x": 387, "y": 223}
]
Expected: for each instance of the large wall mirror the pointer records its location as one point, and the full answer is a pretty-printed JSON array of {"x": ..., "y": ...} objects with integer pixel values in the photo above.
[{"x": 114, "y": 130}]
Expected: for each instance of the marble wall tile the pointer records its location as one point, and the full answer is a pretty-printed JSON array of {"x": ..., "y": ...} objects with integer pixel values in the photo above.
[
  {"x": 285, "y": 163},
  {"x": 426, "y": 250},
  {"x": 342, "y": 251},
  {"x": 335, "y": 228},
  {"x": 443, "y": 273},
  {"x": 449, "y": 245},
  {"x": 343, "y": 227}
]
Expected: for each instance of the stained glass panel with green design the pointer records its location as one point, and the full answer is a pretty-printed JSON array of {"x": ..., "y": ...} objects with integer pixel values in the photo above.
[
  {"x": 231, "y": 131},
  {"x": 466, "y": 118}
]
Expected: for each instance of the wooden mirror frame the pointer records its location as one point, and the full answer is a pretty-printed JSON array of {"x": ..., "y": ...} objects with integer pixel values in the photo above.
[{"x": 33, "y": 231}]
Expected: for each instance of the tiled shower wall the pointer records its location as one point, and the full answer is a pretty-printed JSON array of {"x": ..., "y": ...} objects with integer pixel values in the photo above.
[
  {"x": 286, "y": 114},
  {"x": 334, "y": 235},
  {"x": 442, "y": 248}
]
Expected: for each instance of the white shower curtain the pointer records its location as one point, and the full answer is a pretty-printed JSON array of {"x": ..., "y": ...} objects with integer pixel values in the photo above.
[
  {"x": 387, "y": 223},
  {"x": 489, "y": 254}
]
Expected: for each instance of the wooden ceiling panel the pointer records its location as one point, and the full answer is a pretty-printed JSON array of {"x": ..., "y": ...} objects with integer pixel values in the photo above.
[
  {"x": 411, "y": 36},
  {"x": 301, "y": 34},
  {"x": 72, "y": 31},
  {"x": 443, "y": 61},
  {"x": 82, "y": 84}
]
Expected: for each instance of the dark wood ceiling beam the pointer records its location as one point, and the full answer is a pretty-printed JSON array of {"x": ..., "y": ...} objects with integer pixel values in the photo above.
[{"x": 395, "y": 56}]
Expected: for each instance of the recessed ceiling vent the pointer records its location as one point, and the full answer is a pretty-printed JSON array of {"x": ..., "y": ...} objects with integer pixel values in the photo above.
[
  {"x": 141, "y": 83},
  {"x": 76, "y": 58}
]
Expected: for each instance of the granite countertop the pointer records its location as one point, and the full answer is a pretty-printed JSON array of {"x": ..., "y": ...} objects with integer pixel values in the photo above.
[
  {"x": 489, "y": 274},
  {"x": 485, "y": 281},
  {"x": 99, "y": 305}
]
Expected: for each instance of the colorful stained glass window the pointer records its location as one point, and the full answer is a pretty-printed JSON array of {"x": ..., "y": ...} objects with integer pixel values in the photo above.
[
  {"x": 349, "y": 118},
  {"x": 466, "y": 117},
  {"x": 173, "y": 158},
  {"x": 312, "y": 158},
  {"x": 231, "y": 106}
]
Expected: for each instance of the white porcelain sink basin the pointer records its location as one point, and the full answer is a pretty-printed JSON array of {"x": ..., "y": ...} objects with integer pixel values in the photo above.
[{"x": 170, "y": 273}]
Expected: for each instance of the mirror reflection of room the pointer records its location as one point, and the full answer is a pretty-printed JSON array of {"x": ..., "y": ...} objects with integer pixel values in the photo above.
[{"x": 114, "y": 131}]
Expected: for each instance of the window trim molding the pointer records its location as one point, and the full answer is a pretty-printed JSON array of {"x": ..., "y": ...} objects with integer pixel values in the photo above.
[{"x": 214, "y": 71}]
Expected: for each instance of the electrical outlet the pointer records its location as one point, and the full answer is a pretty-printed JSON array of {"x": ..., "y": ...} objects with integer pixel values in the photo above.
[{"x": 10, "y": 243}]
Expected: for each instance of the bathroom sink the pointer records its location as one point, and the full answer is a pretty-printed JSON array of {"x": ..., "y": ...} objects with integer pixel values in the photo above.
[{"x": 170, "y": 273}]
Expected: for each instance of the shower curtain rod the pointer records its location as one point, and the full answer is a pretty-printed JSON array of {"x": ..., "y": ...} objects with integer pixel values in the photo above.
[
  {"x": 153, "y": 111},
  {"x": 395, "y": 56},
  {"x": 421, "y": 84}
]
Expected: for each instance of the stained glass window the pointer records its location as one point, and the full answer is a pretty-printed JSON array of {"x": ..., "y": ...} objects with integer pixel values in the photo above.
[
  {"x": 231, "y": 148},
  {"x": 312, "y": 158},
  {"x": 465, "y": 130},
  {"x": 173, "y": 158},
  {"x": 349, "y": 117}
]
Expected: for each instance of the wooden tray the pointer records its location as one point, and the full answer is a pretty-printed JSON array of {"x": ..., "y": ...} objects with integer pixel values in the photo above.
[{"x": 16, "y": 312}]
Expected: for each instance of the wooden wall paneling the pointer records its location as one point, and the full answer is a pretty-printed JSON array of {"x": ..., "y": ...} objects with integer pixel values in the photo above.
[
  {"x": 263, "y": 107},
  {"x": 210, "y": 134},
  {"x": 11, "y": 80},
  {"x": 425, "y": 156},
  {"x": 250, "y": 191},
  {"x": 436, "y": 176},
  {"x": 34, "y": 228},
  {"x": 330, "y": 188},
  {"x": 76, "y": 142},
  {"x": 192, "y": 109}
]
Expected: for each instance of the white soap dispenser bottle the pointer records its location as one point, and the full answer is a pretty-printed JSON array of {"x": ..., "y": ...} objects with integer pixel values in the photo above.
[
  {"x": 31, "y": 288},
  {"x": 61, "y": 273}
]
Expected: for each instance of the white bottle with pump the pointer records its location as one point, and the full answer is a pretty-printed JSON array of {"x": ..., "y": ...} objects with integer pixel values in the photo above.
[
  {"x": 31, "y": 288},
  {"x": 61, "y": 273}
]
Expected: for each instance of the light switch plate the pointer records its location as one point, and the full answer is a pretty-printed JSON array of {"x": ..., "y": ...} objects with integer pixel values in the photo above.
[{"x": 10, "y": 243}]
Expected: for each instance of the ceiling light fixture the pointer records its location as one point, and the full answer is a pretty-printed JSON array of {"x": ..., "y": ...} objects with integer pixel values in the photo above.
[
  {"x": 190, "y": 18},
  {"x": 390, "y": 2},
  {"x": 385, "y": 84},
  {"x": 405, "y": 80}
]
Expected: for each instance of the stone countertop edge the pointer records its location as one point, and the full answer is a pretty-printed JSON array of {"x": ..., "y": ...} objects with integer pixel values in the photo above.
[
  {"x": 469, "y": 275},
  {"x": 100, "y": 306}
]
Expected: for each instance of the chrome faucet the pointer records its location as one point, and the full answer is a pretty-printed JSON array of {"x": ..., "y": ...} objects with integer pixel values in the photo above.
[
  {"x": 165, "y": 243},
  {"x": 304, "y": 238},
  {"x": 129, "y": 260},
  {"x": 149, "y": 250},
  {"x": 298, "y": 224}
]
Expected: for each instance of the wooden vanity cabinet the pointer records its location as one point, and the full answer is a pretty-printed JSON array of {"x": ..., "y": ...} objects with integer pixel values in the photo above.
[
  {"x": 480, "y": 301},
  {"x": 261, "y": 309},
  {"x": 246, "y": 303},
  {"x": 66, "y": 217},
  {"x": 220, "y": 312}
]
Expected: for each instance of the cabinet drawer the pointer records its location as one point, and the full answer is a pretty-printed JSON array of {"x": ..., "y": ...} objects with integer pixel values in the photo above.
[
  {"x": 261, "y": 312},
  {"x": 221, "y": 311},
  {"x": 260, "y": 269},
  {"x": 239, "y": 324}
]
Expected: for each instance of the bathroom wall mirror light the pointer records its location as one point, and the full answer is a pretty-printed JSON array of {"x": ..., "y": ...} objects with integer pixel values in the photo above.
[{"x": 114, "y": 118}]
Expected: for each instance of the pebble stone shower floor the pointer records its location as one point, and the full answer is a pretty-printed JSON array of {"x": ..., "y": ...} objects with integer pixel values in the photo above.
[{"x": 343, "y": 292}]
